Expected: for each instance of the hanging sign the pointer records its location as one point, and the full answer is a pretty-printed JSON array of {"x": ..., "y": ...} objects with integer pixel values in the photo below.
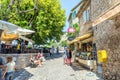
[
  {"x": 71, "y": 30},
  {"x": 70, "y": 38}
]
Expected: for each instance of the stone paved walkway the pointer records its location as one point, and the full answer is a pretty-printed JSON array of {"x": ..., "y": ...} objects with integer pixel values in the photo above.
[{"x": 53, "y": 69}]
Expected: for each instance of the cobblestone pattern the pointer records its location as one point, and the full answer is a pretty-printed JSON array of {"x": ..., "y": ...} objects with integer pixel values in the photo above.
[
  {"x": 53, "y": 69},
  {"x": 100, "y": 6},
  {"x": 107, "y": 37}
]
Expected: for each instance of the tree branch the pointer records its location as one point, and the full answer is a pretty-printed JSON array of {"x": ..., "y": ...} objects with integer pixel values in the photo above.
[
  {"x": 25, "y": 11},
  {"x": 10, "y": 5},
  {"x": 8, "y": 9}
]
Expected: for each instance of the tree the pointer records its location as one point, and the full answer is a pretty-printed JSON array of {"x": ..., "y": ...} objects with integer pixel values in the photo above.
[
  {"x": 64, "y": 43},
  {"x": 45, "y": 17}
]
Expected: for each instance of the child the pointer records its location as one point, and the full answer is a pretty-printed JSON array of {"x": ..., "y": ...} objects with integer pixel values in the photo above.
[
  {"x": 9, "y": 69},
  {"x": 38, "y": 56},
  {"x": 42, "y": 58},
  {"x": 32, "y": 59}
]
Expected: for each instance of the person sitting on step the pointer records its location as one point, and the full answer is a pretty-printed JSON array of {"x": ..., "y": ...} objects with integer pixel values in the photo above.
[{"x": 35, "y": 61}]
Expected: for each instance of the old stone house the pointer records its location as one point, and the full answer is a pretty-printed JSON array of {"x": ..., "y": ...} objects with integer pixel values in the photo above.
[
  {"x": 85, "y": 39},
  {"x": 102, "y": 17},
  {"x": 83, "y": 42},
  {"x": 105, "y": 15}
]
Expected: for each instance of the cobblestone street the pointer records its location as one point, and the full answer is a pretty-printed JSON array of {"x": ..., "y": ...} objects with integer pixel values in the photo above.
[{"x": 53, "y": 69}]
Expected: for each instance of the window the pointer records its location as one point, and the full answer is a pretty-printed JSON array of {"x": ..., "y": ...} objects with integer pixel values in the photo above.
[
  {"x": 86, "y": 15},
  {"x": 74, "y": 14}
]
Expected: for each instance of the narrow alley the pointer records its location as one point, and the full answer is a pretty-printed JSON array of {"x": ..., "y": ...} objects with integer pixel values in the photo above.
[{"x": 54, "y": 69}]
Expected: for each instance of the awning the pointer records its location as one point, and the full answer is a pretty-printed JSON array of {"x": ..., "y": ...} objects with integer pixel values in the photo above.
[
  {"x": 87, "y": 40},
  {"x": 84, "y": 36},
  {"x": 81, "y": 38},
  {"x": 8, "y": 37},
  {"x": 7, "y": 26},
  {"x": 22, "y": 31},
  {"x": 68, "y": 42},
  {"x": 14, "y": 29},
  {"x": 27, "y": 39}
]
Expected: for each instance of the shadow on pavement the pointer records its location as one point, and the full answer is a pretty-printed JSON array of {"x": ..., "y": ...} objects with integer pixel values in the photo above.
[
  {"x": 22, "y": 74},
  {"x": 76, "y": 66}
]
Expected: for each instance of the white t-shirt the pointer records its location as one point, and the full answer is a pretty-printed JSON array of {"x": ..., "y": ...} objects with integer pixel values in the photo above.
[
  {"x": 14, "y": 43},
  {"x": 11, "y": 66},
  {"x": 42, "y": 58}
]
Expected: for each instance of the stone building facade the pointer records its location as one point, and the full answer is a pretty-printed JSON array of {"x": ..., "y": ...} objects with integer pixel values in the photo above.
[
  {"x": 83, "y": 42},
  {"x": 84, "y": 16},
  {"x": 107, "y": 35},
  {"x": 72, "y": 19}
]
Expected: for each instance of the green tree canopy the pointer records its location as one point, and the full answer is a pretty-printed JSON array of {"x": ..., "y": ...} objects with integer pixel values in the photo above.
[{"x": 45, "y": 17}]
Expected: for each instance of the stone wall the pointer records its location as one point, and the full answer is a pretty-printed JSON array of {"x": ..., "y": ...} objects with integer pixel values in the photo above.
[
  {"x": 22, "y": 60},
  {"x": 99, "y": 7},
  {"x": 107, "y": 37},
  {"x": 81, "y": 25}
]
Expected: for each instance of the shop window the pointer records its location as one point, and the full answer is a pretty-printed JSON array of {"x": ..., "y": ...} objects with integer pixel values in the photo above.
[{"x": 86, "y": 51}]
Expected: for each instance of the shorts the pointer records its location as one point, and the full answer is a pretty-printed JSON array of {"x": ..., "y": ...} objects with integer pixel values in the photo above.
[{"x": 8, "y": 76}]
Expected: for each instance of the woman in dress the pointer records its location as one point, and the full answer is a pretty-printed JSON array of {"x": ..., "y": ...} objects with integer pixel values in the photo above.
[{"x": 69, "y": 56}]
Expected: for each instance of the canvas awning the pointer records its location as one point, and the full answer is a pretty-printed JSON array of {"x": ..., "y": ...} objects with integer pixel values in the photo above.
[
  {"x": 7, "y": 26},
  {"x": 81, "y": 38},
  {"x": 84, "y": 36},
  {"x": 22, "y": 31},
  {"x": 8, "y": 37},
  {"x": 87, "y": 40},
  {"x": 11, "y": 32},
  {"x": 14, "y": 29}
]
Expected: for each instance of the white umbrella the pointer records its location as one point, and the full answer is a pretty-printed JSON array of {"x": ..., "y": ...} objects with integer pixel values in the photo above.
[
  {"x": 12, "y": 28},
  {"x": 7, "y": 26},
  {"x": 22, "y": 31}
]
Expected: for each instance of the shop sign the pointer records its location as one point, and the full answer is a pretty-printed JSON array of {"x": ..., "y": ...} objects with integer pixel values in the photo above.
[
  {"x": 71, "y": 30},
  {"x": 71, "y": 38}
]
